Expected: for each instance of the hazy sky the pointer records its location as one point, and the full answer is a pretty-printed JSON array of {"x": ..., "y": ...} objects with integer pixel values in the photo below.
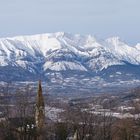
[{"x": 103, "y": 18}]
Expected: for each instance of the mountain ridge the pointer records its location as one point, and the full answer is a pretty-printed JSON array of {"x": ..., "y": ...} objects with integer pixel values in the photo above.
[{"x": 63, "y": 52}]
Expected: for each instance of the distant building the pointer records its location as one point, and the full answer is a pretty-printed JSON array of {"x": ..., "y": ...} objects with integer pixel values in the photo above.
[
  {"x": 76, "y": 136},
  {"x": 40, "y": 109},
  {"x": 30, "y": 128}
]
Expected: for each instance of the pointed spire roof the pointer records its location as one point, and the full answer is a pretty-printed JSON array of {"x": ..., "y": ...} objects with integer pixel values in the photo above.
[{"x": 40, "y": 99}]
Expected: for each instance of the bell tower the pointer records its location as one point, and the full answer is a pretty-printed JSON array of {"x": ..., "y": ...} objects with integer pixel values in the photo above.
[{"x": 40, "y": 109}]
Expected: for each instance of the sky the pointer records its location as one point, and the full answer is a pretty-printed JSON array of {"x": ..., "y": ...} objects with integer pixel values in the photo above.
[{"x": 102, "y": 18}]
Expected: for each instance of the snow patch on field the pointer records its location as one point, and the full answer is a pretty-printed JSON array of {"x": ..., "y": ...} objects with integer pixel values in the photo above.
[{"x": 53, "y": 113}]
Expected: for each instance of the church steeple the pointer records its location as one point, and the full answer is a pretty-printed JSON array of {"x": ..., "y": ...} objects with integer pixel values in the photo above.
[
  {"x": 40, "y": 99},
  {"x": 40, "y": 108}
]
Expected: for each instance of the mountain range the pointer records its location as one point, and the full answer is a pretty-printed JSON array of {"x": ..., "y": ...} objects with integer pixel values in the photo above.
[{"x": 28, "y": 58}]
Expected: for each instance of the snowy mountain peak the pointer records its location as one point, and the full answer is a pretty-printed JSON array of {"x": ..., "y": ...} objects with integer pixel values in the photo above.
[
  {"x": 114, "y": 39},
  {"x": 138, "y": 46}
]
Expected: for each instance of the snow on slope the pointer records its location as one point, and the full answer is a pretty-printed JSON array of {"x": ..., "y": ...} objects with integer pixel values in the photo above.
[
  {"x": 63, "y": 65},
  {"x": 122, "y": 51},
  {"x": 63, "y": 51}
]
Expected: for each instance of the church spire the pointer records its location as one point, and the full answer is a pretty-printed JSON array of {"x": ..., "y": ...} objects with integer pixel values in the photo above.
[
  {"x": 40, "y": 99},
  {"x": 40, "y": 108}
]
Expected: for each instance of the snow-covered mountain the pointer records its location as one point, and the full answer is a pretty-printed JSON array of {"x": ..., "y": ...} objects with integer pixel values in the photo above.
[{"x": 27, "y": 57}]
